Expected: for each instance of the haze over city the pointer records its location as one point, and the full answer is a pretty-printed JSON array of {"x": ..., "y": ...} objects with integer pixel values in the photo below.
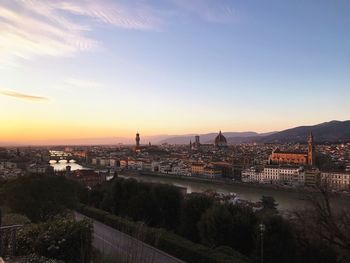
[{"x": 97, "y": 69}]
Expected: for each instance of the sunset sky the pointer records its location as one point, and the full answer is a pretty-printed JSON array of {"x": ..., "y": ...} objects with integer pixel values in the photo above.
[{"x": 109, "y": 68}]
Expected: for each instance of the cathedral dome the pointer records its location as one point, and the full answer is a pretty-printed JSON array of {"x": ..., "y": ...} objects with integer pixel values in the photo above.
[{"x": 220, "y": 140}]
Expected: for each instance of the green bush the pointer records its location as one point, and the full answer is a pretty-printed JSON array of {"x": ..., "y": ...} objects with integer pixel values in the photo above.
[
  {"x": 41, "y": 197},
  {"x": 121, "y": 224},
  {"x": 62, "y": 239},
  {"x": 195, "y": 253},
  {"x": 40, "y": 259},
  {"x": 164, "y": 240},
  {"x": 92, "y": 212},
  {"x": 14, "y": 219}
]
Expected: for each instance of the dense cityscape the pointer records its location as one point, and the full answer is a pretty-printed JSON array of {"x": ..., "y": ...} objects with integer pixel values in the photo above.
[
  {"x": 296, "y": 166},
  {"x": 174, "y": 131},
  {"x": 98, "y": 171}
]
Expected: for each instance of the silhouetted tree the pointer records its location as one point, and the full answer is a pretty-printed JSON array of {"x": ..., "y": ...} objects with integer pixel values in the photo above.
[
  {"x": 168, "y": 201},
  {"x": 279, "y": 241},
  {"x": 322, "y": 226},
  {"x": 41, "y": 197},
  {"x": 228, "y": 225},
  {"x": 194, "y": 207}
]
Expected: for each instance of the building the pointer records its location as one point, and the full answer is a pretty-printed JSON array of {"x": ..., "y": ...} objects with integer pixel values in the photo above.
[
  {"x": 212, "y": 171},
  {"x": 206, "y": 170},
  {"x": 37, "y": 168},
  {"x": 197, "y": 168},
  {"x": 220, "y": 141},
  {"x": 336, "y": 180},
  {"x": 137, "y": 139},
  {"x": 312, "y": 178},
  {"x": 225, "y": 167},
  {"x": 275, "y": 174},
  {"x": 197, "y": 142},
  {"x": 88, "y": 178},
  {"x": 295, "y": 157},
  {"x": 252, "y": 175}
]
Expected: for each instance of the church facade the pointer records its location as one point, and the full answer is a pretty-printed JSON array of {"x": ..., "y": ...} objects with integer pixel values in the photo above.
[{"x": 296, "y": 158}]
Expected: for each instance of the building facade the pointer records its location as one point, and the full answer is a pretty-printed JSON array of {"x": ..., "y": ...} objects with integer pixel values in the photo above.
[{"x": 295, "y": 157}]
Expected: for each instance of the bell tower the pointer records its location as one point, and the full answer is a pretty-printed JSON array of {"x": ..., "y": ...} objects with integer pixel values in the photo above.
[
  {"x": 311, "y": 150},
  {"x": 137, "y": 140}
]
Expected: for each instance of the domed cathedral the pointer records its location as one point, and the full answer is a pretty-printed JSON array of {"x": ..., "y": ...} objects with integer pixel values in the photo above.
[{"x": 220, "y": 141}]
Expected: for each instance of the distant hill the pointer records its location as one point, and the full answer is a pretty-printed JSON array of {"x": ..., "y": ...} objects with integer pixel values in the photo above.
[
  {"x": 333, "y": 131},
  {"x": 208, "y": 137},
  {"x": 247, "y": 139}
]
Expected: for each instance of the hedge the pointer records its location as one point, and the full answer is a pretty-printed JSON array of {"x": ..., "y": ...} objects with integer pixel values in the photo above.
[
  {"x": 164, "y": 240},
  {"x": 61, "y": 239}
]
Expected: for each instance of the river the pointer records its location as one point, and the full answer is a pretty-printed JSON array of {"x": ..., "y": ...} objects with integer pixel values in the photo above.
[
  {"x": 287, "y": 200},
  {"x": 62, "y": 164}
]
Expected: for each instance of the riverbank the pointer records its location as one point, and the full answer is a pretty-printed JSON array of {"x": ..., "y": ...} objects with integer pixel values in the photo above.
[
  {"x": 288, "y": 199},
  {"x": 221, "y": 182}
]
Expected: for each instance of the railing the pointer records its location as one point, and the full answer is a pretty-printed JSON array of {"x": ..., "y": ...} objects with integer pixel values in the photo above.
[{"x": 8, "y": 240}]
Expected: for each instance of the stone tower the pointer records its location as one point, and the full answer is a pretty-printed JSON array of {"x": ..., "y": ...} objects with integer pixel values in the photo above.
[
  {"x": 311, "y": 150},
  {"x": 197, "y": 142},
  {"x": 137, "y": 140}
]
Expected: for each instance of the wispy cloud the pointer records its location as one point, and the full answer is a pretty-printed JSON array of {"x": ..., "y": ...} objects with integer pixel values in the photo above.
[
  {"x": 19, "y": 95},
  {"x": 82, "y": 83},
  {"x": 214, "y": 11},
  {"x": 30, "y": 28}
]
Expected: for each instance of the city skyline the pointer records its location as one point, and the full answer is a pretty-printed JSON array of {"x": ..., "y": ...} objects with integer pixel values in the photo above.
[{"x": 87, "y": 69}]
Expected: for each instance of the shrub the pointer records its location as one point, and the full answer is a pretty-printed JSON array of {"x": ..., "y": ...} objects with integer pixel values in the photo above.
[
  {"x": 40, "y": 259},
  {"x": 41, "y": 197},
  {"x": 164, "y": 240},
  {"x": 92, "y": 212},
  {"x": 65, "y": 240},
  {"x": 195, "y": 253},
  {"x": 14, "y": 219}
]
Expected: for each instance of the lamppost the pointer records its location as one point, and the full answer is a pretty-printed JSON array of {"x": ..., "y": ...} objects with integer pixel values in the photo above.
[{"x": 262, "y": 229}]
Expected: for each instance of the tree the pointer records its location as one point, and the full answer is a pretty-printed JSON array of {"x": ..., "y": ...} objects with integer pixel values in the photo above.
[
  {"x": 325, "y": 227},
  {"x": 41, "y": 197},
  {"x": 194, "y": 206},
  {"x": 229, "y": 225},
  {"x": 168, "y": 200},
  {"x": 279, "y": 241},
  {"x": 269, "y": 203}
]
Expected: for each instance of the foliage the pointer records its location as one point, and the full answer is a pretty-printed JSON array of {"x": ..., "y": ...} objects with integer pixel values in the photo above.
[
  {"x": 165, "y": 240},
  {"x": 14, "y": 219},
  {"x": 41, "y": 198},
  {"x": 194, "y": 206},
  {"x": 33, "y": 258},
  {"x": 319, "y": 236},
  {"x": 323, "y": 230},
  {"x": 269, "y": 203},
  {"x": 192, "y": 252},
  {"x": 65, "y": 240},
  {"x": 279, "y": 241},
  {"x": 156, "y": 204},
  {"x": 229, "y": 225}
]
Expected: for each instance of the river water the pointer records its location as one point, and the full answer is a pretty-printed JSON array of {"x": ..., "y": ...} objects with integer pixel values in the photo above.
[
  {"x": 62, "y": 164},
  {"x": 287, "y": 200}
]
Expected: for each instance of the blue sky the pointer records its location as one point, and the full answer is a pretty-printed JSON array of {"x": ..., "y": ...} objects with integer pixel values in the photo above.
[{"x": 109, "y": 68}]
